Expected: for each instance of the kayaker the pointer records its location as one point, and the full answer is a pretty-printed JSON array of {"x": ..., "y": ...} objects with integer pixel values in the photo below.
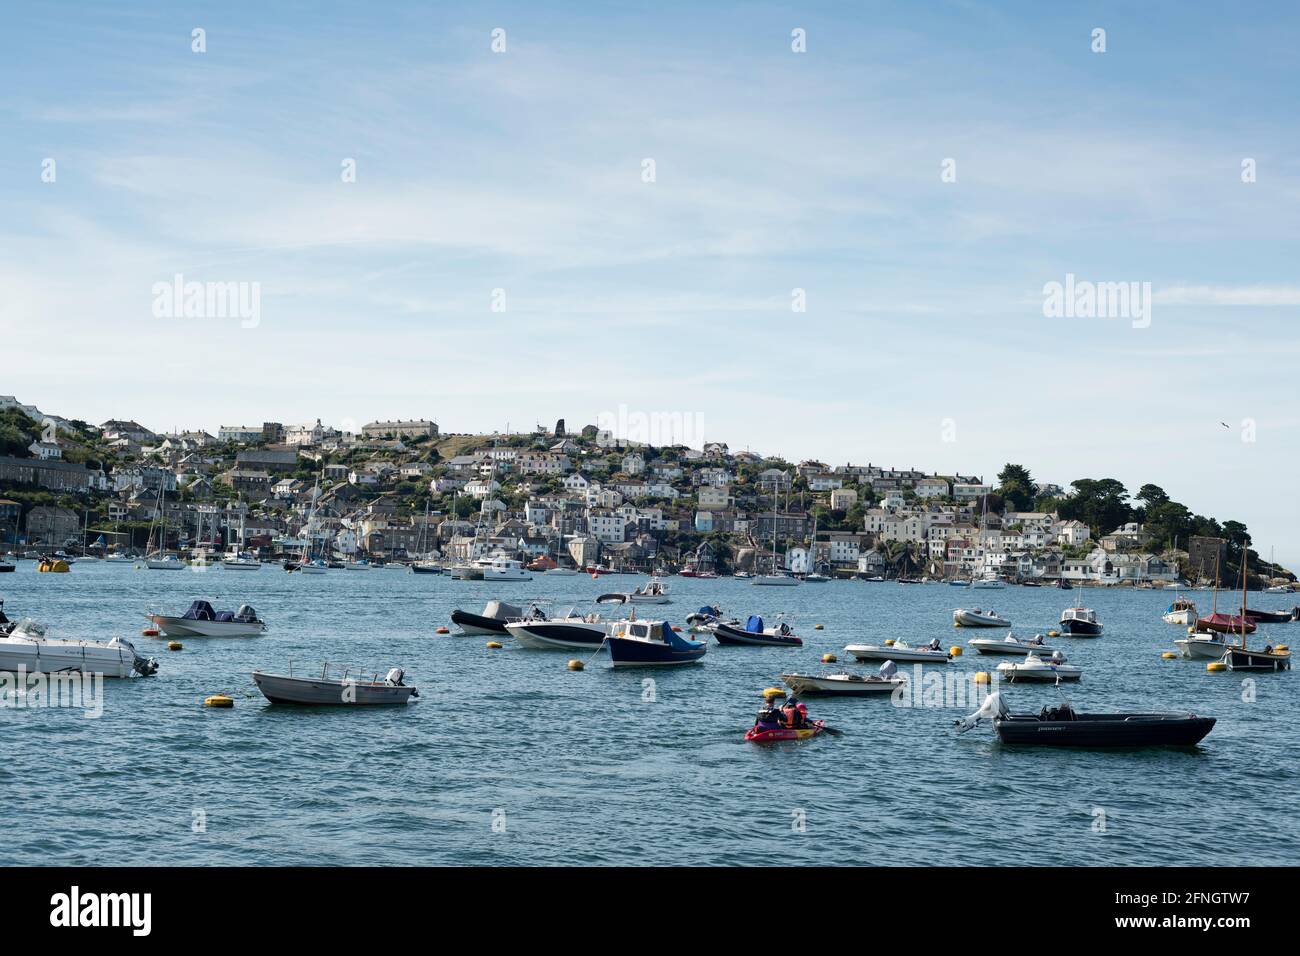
[{"x": 794, "y": 713}]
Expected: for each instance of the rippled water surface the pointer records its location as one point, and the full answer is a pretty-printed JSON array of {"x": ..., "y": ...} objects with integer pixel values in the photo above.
[{"x": 579, "y": 769}]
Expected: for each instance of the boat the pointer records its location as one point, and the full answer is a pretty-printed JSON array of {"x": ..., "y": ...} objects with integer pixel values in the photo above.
[
  {"x": 493, "y": 620},
  {"x": 753, "y": 633},
  {"x": 1280, "y": 589},
  {"x": 166, "y": 562},
  {"x": 118, "y": 557},
  {"x": 53, "y": 566},
  {"x": 505, "y": 569},
  {"x": 6, "y": 625},
  {"x": 425, "y": 567},
  {"x": 700, "y": 621},
  {"x": 741, "y": 574},
  {"x": 990, "y": 581},
  {"x": 845, "y": 684},
  {"x": 1224, "y": 624},
  {"x": 359, "y": 565},
  {"x": 1182, "y": 611},
  {"x": 1269, "y": 617},
  {"x": 976, "y": 617},
  {"x": 241, "y": 561},
  {"x": 560, "y": 572},
  {"x": 900, "y": 651},
  {"x": 1080, "y": 622},
  {"x": 958, "y": 583},
  {"x": 816, "y": 577},
  {"x": 653, "y": 592},
  {"x": 1060, "y": 725},
  {"x": 775, "y": 580},
  {"x": 567, "y": 630},
  {"x": 650, "y": 644},
  {"x": 341, "y": 691},
  {"x": 1238, "y": 657},
  {"x": 316, "y": 566},
  {"x": 26, "y": 646},
  {"x": 1041, "y": 669},
  {"x": 466, "y": 572},
  {"x": 200, "y": 620},
  {"x": 1064, "y": 585},
  {"x": 1204, "y": 646},
  {"x": 1010, "y": 645},
  {"x": 7, "y": 565}
]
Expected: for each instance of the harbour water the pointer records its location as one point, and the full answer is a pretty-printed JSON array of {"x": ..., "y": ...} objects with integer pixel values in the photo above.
[{"x": 510, "y": 758}]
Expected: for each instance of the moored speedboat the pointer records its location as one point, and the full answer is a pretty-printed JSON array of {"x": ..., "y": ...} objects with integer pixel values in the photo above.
[
  {"x": 200, "y": 620},
  {"x": 1080, "y": 622},
  {"x": 241, "y": 561},
  {"x": 754, "y": 633},
  {"x": 650, "y": 644},
  {"x": 342, "y": 691},
  {"x": 567, "y": 630},
  {"x": 1208, "y": 646},
  {"x": 1062, "y": 726},
  {"x": 1043, "y": 670},
  {"x": 28, "y": 647},
  {"x": 1010, "y": 645},
  {"x": 900, "y": 651},
  {"x": 975, "y": 617},
  {"x": 845, "y": 684},
  {"x": 506, "y": 569}
]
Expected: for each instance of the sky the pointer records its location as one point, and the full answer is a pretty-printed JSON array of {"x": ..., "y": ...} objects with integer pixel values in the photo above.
[{"x": 503, "y": 255}]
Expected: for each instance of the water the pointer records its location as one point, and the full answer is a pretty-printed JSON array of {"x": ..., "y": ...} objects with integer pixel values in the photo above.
[{"x": 575, "y": 768}]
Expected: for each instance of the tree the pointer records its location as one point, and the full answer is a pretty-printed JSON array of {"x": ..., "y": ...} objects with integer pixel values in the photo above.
[
  {"x": 1100, "y": 503},
  {"x": 1016, "y": 487}
]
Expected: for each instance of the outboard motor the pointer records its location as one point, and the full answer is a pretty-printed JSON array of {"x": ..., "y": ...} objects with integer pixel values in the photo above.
[
  {"x": 395, "y": 676},
  {"x": 246, "y": 613},
  {"x": 144, "y": 666}
]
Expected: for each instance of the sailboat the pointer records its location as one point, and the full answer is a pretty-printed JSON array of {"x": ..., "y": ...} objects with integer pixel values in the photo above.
[
  {"x": 158, "y": 559},
  {"x": 777, "y": 578},
  {"x": 308, "y": 565},
  {"x": 1240, "y": 658},
  {"x": 1222, "y": 623},
  {"x": 814, "y": 576},
  {"x": 423, "y": 565}
]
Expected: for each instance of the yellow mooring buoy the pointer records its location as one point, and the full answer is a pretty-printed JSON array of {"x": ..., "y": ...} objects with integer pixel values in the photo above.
[
  {"x": 175, "y": 646},
  {"x": 829, "y": 658},
  {"x": 1053, "y": 633},
  {"x": 954, "y": 651},
  {"x": 1215, "y": 666},
  {"x": 819, "y": 627},
  {"x": 494, "y": 645},
  {"x": 576, "y": 665},
  {"x": 1168, "y": 656},
  {"x": 772, "y": 692},
  {"x": 218, "y": 700},
  {"x": 981, "y": 677}
]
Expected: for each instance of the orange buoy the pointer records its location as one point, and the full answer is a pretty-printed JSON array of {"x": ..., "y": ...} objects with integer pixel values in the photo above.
[
  {"x": 444, "y": 630},
  {"x": 151, "y": 632}
]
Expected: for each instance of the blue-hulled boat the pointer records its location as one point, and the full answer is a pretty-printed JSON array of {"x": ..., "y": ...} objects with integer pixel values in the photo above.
[{"x": 650, "y": 644}]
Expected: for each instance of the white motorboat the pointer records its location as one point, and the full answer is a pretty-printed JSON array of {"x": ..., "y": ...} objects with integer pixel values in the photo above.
[
  {"x": 775, "y": 581},
  {"x": 975, "y": 617},
  {"x": 989, "y": 581},
  {"x": 343, "y": 691},
  {"x": 1043, "y": 670},
  {"x": 1280, "y": 589},
  {"x": 900, "y": 651},
  {"x": 558, "y": 572},
  {"x": 28, "y": 647},
  {"x": 567, "y": 630},
  {"x": 845, "y": 684},
  {"x": 118, "y": 557},
  {"x": 506, "y": 569},
  {"x": 202, "y": 621},
  {"x": 1182, "y": 611},
  {"x": 241, "y": 561},
  {"x": 168, "y": 562},
  {"x": 653, "y": 592},
  {"x": 1202, "y": 646},
  {"x": 1010, "y": 645},
  {"x": 466, "y": 572}
]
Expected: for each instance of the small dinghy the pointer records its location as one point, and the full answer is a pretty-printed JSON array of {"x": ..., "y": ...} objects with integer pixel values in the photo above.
[
  {"x": 493, "y": 620},
  {"x": 975, "y": 617},
  {"x": 1080, "y": 622},
  {"x": 202, "y": 621},
  {"x": 650, "y": 644},
  {"x": 700, "y": 621},
  {"x": 900, "y": 651},
  {"x": 653, "y": 592},
  {"x": 845, "y": 684},
  {"x": 1039, "y": 669},
  {"x": 1010, "y": 645},
  {"x": 26, "y": 646},
  {"x": 754, "y": 634},
  {"x": 344, "y": 691},
  {"x": 1062, "y": 726},
  {"x": 789, "y": 722}
]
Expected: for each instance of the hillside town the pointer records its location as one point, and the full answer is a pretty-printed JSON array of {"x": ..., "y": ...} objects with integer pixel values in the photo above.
[{"x": 403, "y": 491}]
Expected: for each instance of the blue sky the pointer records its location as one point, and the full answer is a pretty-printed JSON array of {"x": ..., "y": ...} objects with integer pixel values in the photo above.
[{"x": 774, "y": 170}]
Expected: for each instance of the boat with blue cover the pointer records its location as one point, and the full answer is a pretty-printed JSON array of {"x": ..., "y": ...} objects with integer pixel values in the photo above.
[
  {"x": 635, "y": 643},
  {"x": 754, "y": 633},
  {"x": 202, "y": 621}
]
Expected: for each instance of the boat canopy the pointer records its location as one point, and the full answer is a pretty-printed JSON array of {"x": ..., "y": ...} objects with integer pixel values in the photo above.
[
  {"x": 200, "y": 611},
  {"x": 754, "y": 625},
  {"x": 501, "y": 611}
]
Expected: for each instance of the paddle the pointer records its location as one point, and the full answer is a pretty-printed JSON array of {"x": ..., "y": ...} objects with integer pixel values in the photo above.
[{"x": 834, "y": 732}]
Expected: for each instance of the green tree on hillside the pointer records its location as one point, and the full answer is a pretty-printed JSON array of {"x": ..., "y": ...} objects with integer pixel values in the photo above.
[{"x": 1016, "y": 487}]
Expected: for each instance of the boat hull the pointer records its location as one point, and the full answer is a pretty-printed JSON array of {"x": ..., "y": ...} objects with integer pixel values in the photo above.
[
  {"x": 625, "y": 652},
  {"x": 964, "y": 618},
  {"x": 185, "y": 627},
  {"x": 759, "y": 735},
  {"x": 557, "y": 634},
  {"x": 843, "y": 685},
  {"x": 868, "y": 652},
  {"x": 1050, "y": 674},
  {"x": 727, "y": 634},
  {"x": 1239, "y": 659},
  {"x": 985, "y": 645},
  {"x": 282, "y": 689},
  {"x": 477, "y": 623},
  {"x": 1185, "y": 618},
  {"x": 1110, "y": 730},
  {"x": 1072, "y": 628},
  {"x": 1193, "y": 649}
]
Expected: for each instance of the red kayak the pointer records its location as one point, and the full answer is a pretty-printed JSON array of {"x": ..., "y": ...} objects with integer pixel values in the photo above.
[{"x": 765, "y": 735}]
